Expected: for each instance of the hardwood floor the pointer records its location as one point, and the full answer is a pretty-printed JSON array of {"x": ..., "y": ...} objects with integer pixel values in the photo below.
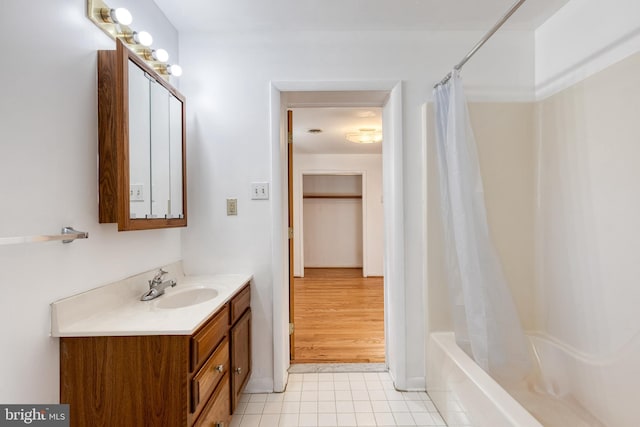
[{"x": 339, "y": 317}]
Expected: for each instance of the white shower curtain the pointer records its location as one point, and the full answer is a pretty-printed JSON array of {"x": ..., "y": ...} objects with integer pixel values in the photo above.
[{"x": 486, "y": 323}]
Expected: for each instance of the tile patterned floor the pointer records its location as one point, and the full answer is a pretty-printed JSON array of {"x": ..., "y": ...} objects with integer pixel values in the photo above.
[{"x": 337, "y": 399}]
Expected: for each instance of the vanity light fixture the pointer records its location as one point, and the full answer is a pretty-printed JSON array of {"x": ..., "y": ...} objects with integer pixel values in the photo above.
[
  {"x": 142, "y": 38},
  {"x": 115, "y": 23},
  {"x": 174, "y": 70},
  {"x": 160, "y": 55},
  {"x": 364, "y": 136},
  {"x": 116, "y": 16}
]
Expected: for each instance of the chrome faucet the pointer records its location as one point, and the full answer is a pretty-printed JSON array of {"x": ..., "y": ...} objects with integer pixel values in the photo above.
[{"x": 157, "y": 286}]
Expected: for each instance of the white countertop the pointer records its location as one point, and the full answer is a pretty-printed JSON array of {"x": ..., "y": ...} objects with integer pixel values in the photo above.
[{"x": 116, "y": 309}]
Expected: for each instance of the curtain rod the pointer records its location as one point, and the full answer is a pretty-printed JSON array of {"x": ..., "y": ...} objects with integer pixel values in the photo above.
[{"x": 486, "y": 37}]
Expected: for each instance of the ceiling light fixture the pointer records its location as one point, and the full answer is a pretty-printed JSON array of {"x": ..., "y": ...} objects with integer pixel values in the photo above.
[{"x": 364, "y": 136}]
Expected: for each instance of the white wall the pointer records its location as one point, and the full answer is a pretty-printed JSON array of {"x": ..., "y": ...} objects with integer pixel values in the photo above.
[
  {"x": 582, "y": 38},
  {"x": 505, "y": 139},
  {"x": 371, "y": 165},
  {"x": 332, "y": 233},
  {"x": 229, "y": 131},
  {"x": 49, "y": 179},
  {"x": 588, "y": 223}
]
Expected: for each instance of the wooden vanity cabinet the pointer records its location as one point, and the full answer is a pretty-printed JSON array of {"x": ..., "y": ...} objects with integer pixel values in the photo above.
[
  {"x": 240, "y": 337},
  {"x": 160, "y": 380}
]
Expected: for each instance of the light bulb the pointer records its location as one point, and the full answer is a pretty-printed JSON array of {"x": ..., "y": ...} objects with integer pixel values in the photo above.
[
  {"x": 160, "y": 55},
  {"x": 121, "y": 16},
  {"x": 174, "y": 70},
  {"x": 143, "y": 38}
]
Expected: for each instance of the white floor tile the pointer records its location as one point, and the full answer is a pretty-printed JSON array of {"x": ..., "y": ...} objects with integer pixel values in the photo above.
[
  {"x": 358, "y": 385},
  {"x": 290, "y": 407},
  {"x": 328, "y": 399},
  {"x": 377, "y": 395},
  {"x": 404, "y": 419},
  {"x": 260, "y": 398},
  {"x": 360, "y": 395},
  {"x": 381, "y": 406},
  {"x": 327, "y": 407},
  {"x": 254, "y": 408},
  {"x": 347, "y": 420},
  {"x": 272, "y": 408},
  {"x": 309, "y": 396},
  {"x": 326, "y": 385},
  {"x": 362, "y": 406},
  {"x": 385, "y": 419},
  {"x": 327, "y": 420},
  {"x": 289, "y": 420},
  {"x": 270, "y": 420},
  {"x": 423, "y": 419},
  {"x": 250, "y": 421},
  {"x": 309, "y": 407},
  {"x": 341, "y": 385},
  {"x": 326, "y": 395},
  {"x": 398, "y": 406},
  {"x": 292, "y": 396},
  {"x": 344, "y": 406},
  {"x": 275, "y": 397},
  {"x": 308, "y": 420},
  {"x": 342, "y": 395},
  {"x": 417, "y": 406},
  {"x": 365, "y": 419}
]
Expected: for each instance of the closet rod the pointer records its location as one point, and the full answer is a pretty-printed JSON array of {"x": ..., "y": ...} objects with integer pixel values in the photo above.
[{"x": 486, "y": 37}]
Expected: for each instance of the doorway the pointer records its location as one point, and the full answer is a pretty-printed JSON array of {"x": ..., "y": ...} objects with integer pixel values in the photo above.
[
  {"x": 385, "y": 94},
  {"x": 339, "y": 308}
]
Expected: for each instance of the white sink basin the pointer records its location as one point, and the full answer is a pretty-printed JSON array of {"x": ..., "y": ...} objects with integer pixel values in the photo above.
[{"x": 186, "y": 297}]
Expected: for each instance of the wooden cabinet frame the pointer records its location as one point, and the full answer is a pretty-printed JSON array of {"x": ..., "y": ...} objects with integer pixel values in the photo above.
[{"x": 113, "y": 137}]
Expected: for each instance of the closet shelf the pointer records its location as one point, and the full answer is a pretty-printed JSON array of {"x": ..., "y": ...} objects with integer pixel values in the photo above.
[{"x": 331, "y": 196}]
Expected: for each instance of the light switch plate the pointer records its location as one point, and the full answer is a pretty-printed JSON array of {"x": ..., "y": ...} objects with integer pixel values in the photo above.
[
  {"x": 136, "y": 193},
  {"x": 260, "y": 191},
  {"x": 232, "y": 207}
]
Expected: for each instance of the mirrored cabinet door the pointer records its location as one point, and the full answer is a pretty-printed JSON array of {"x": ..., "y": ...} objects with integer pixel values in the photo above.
[
  {"x": 141, "y": 145},
  {"x": 176, "y": 137},
  {"x": 159, "y": 151}
]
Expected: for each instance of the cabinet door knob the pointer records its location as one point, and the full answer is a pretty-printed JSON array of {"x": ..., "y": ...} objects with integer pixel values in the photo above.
[
  {"x": 238, "y": 371},
  {"x": 220, "y": 368}
]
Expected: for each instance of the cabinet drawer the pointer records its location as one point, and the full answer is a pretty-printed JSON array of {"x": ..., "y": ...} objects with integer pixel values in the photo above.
[
  {"x": 208, "y": 377},
  {"x": 240, "y": 303},
  {"x": 208, "y": 337},
  {"x": 217, "y": 412}
]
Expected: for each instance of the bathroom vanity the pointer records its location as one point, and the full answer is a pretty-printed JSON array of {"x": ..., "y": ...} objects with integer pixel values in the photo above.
[{"x": 176, "y": 361}]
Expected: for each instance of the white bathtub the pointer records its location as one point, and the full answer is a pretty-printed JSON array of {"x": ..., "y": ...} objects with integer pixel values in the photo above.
[{"x": 567, "y": 389}]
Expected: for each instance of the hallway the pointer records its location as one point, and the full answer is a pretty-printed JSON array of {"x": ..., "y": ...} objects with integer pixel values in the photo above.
[{"x": 339, "y": 317}]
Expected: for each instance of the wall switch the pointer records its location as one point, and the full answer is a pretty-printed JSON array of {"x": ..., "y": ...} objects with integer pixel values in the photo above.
[
  {"x": 260, "y": 191},
  {"x": 136, "y": 193},
  {"x": 232, "y": 207}
]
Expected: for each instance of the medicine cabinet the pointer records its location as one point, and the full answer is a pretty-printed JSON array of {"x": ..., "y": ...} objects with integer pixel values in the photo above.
[{"x": 141, "y": 127}]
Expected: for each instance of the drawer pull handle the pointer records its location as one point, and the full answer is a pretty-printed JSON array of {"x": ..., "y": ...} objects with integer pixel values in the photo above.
[
  {"x": 218, "y": 425},
  {"x": 238, "y": 371},
  {"x": 220, "y": 368}
]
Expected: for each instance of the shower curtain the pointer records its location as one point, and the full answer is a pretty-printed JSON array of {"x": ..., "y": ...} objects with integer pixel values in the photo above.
[{"x": 486, "y": 323}]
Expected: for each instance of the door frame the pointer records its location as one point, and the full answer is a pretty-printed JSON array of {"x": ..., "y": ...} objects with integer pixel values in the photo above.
[{"x": 392, "y": 176}]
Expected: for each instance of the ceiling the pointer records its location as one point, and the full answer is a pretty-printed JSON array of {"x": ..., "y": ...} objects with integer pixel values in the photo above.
[
  {"x": 355, "y": 15},
  {"x": 359, "y": 15},
  {"x": 334, "y": 123}
]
